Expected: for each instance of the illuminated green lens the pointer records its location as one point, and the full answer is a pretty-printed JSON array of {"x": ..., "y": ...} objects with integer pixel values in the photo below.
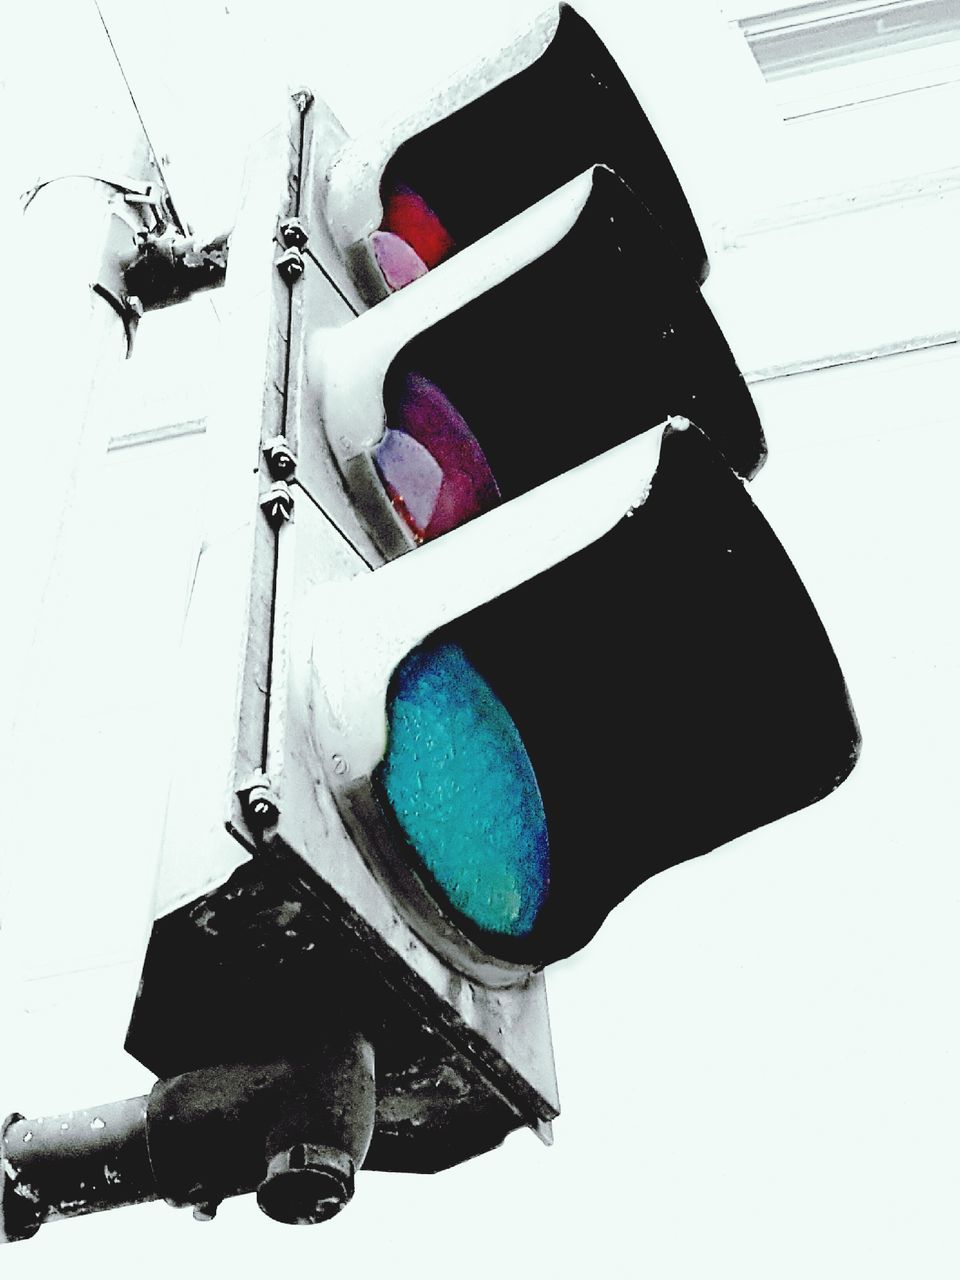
[{"x": 460, "y": 783}]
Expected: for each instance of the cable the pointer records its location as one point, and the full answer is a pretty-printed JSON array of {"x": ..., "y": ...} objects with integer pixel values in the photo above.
[{"x": 180, "y": 225}]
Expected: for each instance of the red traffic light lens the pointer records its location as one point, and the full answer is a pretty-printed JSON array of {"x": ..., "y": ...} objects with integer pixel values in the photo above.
[
  {"x": 430, "y": 463},
  {"x": 407, "y": 215}
]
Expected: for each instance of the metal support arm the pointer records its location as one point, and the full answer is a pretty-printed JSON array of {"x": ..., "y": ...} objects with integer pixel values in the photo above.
[{"x": 294, "y": 1132}]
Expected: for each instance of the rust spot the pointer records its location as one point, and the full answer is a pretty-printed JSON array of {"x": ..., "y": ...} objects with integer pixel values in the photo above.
[
  {"x": 287, "y": 912},
  {"x": 204, "y": 917}
]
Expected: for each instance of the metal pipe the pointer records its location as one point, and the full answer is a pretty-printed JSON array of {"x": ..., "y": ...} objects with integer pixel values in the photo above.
[
  {"x": 296, "y": 1132},
  {"x": 81, "y": 1162}
]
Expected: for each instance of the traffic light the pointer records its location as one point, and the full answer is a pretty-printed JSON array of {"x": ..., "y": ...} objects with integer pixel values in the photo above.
[
  {"x": 533, "y": 643},
  {"x": 516, "y": 638},
  {"x": 670, "y": 682},
  {"x": 562, "y": 333},
  {"x": 493, "y": 143}
]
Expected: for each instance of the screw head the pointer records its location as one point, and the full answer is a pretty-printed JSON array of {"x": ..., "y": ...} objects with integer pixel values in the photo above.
[
  {"x": 303, "y": 98},
  {"x": 281, "y": 459},
  {"x": 260, "y": 805},
  {"x": 277, "y": 504},
  {"x": 290, "y": 265},
  {"x": 293, "y": 233},
  {"x": 263, "y": 808}
]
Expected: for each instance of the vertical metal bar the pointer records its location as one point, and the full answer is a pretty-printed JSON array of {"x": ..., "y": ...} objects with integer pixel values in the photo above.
[{"x": 287, "y": 302}]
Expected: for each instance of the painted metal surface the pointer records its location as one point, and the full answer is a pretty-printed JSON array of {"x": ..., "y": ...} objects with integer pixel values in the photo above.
[
  {"x": 294, "y": 1130},
  {"x": 496, "y": 1044}
]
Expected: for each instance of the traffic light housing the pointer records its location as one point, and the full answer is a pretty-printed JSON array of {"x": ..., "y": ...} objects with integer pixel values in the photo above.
[
  {"x": 492, "y": 143},
  {"x": 706, "y": 703},
  {"x": 516, "y": 638},
  {"x": 523, "y": 639},
  {"x": 559, "y": 335}
]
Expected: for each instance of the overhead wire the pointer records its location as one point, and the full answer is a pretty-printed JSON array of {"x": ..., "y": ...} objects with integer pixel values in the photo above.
[{"x": 181, "y": 226}]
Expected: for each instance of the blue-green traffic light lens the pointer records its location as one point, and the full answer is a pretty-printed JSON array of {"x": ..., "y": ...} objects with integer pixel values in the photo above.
[{"x": 460, "y": 783}]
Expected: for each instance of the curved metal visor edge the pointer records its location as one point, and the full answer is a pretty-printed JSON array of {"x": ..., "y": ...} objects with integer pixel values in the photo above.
[
  {"x": 495, "y": 141},
  {"x": 534, "y": 350}
]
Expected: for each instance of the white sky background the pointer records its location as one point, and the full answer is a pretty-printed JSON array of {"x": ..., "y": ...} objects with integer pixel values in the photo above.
[{"x": 758, "y": 1054}]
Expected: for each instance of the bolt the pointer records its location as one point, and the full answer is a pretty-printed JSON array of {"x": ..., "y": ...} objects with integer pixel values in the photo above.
[
  {"x": 277, "y": 504},
  {"x": 306, "y": 1183},
  {"x": 290, "y": 265},
  {"x": 205, "y": 1206},
  {"x": 261, "y": 807},
  {"x": 281, "y": 459},
  {"x": 293, "y": 233},
  {"x": 260, "y": 803}
]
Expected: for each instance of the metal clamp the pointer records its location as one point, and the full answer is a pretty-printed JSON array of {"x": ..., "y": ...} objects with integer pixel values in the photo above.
[{"x": 169, "y": 267}]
